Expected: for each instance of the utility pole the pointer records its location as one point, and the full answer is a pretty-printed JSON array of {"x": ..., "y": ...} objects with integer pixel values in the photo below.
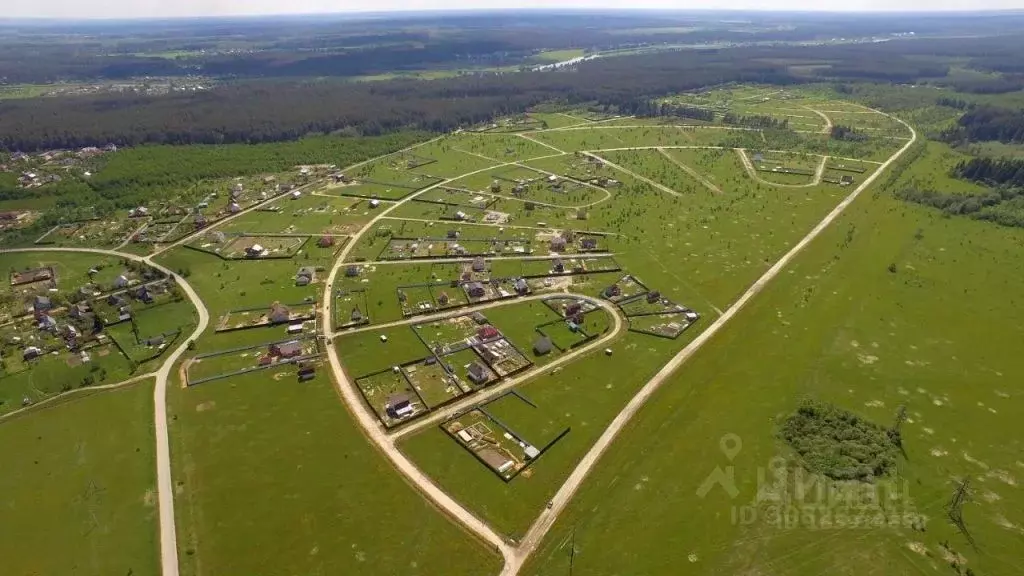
[
  {"x": 572, "y": 550},
  {"x": 961, "y": 495},
  {"x": 896, "y": 432}
]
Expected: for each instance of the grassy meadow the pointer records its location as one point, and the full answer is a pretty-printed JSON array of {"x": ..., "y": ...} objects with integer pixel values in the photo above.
[
  {"x": 314, "y": 497},
  {"x": 79, "y": 473},
  {"x": 885, "y": 309}
]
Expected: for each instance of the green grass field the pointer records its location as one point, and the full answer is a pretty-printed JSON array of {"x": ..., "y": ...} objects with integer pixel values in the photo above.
[
  {"x": 314, "y": 497},
  {"x": 840, "y": 327},
  {"x": 81, "y": 472},
  {"x": 894, "y": 304}
]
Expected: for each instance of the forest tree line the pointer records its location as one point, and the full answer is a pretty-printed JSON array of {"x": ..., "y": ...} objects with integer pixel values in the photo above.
[
  {"x": 1002, "y": 203},
  {"x": 287, "y": 109},
  {"x": 274, "y": 111},
  {"x": 992, "y": 171},
  {"x": 982, "y": 123}
]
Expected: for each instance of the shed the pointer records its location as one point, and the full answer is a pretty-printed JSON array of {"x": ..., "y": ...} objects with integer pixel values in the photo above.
[
  {"x": 41, "y": 303},
  {"x": 495, "y": 459},
  {"x": 542, "y": 346},
  {"x": 477, "y": 373}
]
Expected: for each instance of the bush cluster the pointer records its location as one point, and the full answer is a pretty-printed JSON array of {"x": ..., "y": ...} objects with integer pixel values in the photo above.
[{"x": 839, "y": 444}]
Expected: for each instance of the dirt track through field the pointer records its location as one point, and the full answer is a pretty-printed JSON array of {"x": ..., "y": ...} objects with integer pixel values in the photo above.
[
  {"x": 561, "y": 499},
  {"x": 514, "y": 556}
]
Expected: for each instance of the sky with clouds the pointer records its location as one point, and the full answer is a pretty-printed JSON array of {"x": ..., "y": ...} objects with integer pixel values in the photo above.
[{"x": 179, "y": 8}]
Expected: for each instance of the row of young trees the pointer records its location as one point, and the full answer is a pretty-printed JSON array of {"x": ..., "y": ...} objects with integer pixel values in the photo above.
[{"x": 756, "y": 121}]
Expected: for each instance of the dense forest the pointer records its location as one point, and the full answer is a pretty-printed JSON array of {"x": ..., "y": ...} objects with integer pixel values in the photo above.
[
  {"x": 988, "y": 123},
  {"x": 273, "y": 111},
  {"x": 993, "y": 172},
  {"x": 264, "y": 111}
]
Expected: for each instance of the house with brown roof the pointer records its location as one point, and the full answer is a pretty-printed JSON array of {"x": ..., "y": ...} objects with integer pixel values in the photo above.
[{"x": 288, "y": 349}]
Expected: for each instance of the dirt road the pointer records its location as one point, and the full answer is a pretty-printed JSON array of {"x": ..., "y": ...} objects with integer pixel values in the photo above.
[
  {"x": 165, "y": 488},
  {"x": 693, "y": 173},
  {"x": 547, "y": 517}
]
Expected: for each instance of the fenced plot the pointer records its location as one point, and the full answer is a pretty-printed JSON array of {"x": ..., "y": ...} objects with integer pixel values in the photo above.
[
  {"x": 664, "y": 325},
  {"x": 839, "y": 177},
  {"x": 457, "y": 197},
  {"x": 249, "y": 247},
  {"x": 845, "y": 165},
  {"x": 433, "y": 383},
  {"x": 417, "y": 299},
  {"x": 785, "y": 168},
  {"x": 391, "y": 396},
  {"x": 563, "y": 335},
  {"x": 139, "y": 348},
  {"x": 370, "y": 190},
  {"x": 566, "y": 306},
  {"x": 449, "y": 334},
  {"x": 649, "y": 303},
  {"x": 90, "y": 233},
  {"x": 512, "y": 125},
  {"x": 408, "y": 160},
  {"x": 275, "y": 314},
  {"x": 226, "y": 363},
  {"x": 624, "y": 288},
  {"x": 351, "y": 309},
  {"x": 507, "y": 434},
  {"x": 578, "y": 167},
  {"x": 461, "y": 363},
  {"x": 502, "y": 357}
]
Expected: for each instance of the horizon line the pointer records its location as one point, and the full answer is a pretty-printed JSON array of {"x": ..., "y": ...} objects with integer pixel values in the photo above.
[{"x": 469, "y": 11}]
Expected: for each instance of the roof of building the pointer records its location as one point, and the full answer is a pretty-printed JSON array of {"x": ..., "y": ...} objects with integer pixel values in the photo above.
[
  {"x": 398, "y": 399},
  {"x": 494, "y": 459},
  {"x": 291, "y": 347},
  {"x": 542, "y": 345}
]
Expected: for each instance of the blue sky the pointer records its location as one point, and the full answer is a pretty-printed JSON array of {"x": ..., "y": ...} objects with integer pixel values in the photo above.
[{"x": 174, "y": 8}]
